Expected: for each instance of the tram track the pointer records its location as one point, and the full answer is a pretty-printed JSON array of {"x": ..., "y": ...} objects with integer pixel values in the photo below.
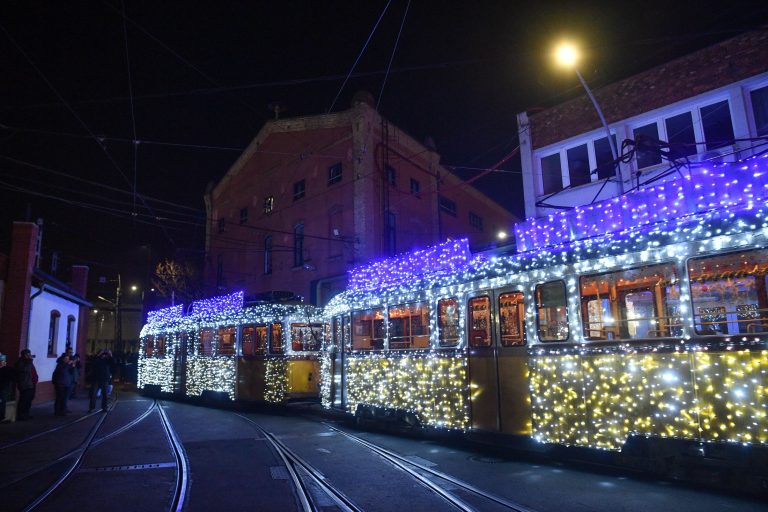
[
  {"x": 423, "y": 473},
  {"x": 305, "y": 477},
  {"x": 76, "y": 456}
]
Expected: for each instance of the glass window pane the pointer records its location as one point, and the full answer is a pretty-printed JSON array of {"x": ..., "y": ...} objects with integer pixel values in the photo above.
[
  {"x": 480, "y": 322},
  {"x": 718, "y": 128},
  {"x": 729, "y": 293},
  {"x": 551, "y": 174},
  {"x": 511, "y": 319},
  {"x": 578, "y": 165},
  {"x": 276, "y": 339},
  {"x": 635, "y": 303},
  {"x": 646, "y": 139},
  {"x": 448, "y": 322},
  {"x": 680, "y": 135},
  {"x": 409, "y": 326},
  {"x": 160, "y": 346},
  {"x": 306, "y": 337},
  {"x": 368, "y": 329},
  {"x": 149, "y": 346},
  {"x": 205, "y": 345},
  {"x": 552, "y": 312},
  {"x": 760, "y": 109},
  {"x": 227, "y": 340},
  {"x": 604, "y": 158}
]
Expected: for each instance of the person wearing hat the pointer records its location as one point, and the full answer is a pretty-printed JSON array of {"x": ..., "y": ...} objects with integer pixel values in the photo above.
[{"x": 26, "y": 381}]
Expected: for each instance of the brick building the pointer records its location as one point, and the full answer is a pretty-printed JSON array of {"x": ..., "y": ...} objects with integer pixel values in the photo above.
[
  {"x": 39, "y": 312},
  {"x": 313, "y": 196},
  {"x": 711, "y": 105}
]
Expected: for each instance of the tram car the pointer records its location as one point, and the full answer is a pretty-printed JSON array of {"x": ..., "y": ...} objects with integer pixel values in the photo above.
[
  {"x": 636, "y": 326},
  {"x": 225, "y": 348}
]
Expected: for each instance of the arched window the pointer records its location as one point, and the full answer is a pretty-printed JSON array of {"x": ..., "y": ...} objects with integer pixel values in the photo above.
[
  {"x": 71, "y": 335},
  {"x": 53, "y": 333}
]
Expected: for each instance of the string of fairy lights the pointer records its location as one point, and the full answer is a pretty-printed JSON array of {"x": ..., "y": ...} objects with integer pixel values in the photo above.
[{"x": 580, "y": 391}]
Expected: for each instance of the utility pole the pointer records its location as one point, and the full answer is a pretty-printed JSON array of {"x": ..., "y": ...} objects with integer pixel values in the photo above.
[{"x": 118, "y": 318}]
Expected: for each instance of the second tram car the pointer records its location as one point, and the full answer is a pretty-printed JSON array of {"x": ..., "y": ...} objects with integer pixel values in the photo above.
[
  {"x": 261, "y": 352},
  {"x": 636, "y": 326}
]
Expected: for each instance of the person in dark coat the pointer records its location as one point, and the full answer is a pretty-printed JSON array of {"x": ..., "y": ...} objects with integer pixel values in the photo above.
[
  {"x": 101, "y": 377},
  {"x": 63, "y": 378},
  {"x": 26, "y": 381}
]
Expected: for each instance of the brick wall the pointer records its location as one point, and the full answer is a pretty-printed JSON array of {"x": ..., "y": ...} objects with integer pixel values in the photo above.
[
  {"x": 713, "y": 67},
  {"x": 15, "y": 324}
]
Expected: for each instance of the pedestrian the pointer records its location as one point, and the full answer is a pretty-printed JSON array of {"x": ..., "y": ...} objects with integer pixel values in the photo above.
[
  {"x": 7, "y": 391},
  {"x": 26, "y": 381},
  {"x": 76, "y": 366},
  {"x": 101, "y": 378},
  {"x": 62, "y": 380}
]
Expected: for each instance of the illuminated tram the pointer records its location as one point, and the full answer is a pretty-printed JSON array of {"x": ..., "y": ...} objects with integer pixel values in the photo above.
[
  {"x": 262, "y": 352},
  {"x": 637, "y": 326}
]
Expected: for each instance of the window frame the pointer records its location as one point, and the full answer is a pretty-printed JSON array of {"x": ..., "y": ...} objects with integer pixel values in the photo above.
[
  {"x": 447, "y": 205},
  {"x": 299, "y": 189},
  {"x": 269, "y": 204},
  {"x": 454, "y": 340},
  {"x": 408, "y": 339},
  {"x": 538, "y": 308},
  {"x": 374, "y": 342},
  {"x": 53, "y": 333},
  {"x": 470, "y": 321},
  {"x": 335, "y": 173}
]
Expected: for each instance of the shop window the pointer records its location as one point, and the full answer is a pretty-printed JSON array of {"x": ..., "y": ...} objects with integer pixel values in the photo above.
[
  {"x": 306, "y": 337},
  {"x": 276, "y": 338},
  {"x": 409, "y": 326},
  {"x": 479, "y": 321},
  {"x": 368, "y": 329},
  {"x": 511, "y": 319},
  {"x": 253, "y": 339},
  {"x": 637, "y": 303},
  {"x": 448, "y": 322},
  {"x": 205, "y": 344},
  {"x": 227, "y": 336},
  {"x": 729, "y": 293},
  {"x": 551, "y": 312}
]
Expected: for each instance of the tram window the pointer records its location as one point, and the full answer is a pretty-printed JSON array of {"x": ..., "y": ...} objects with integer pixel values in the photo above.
[
  {"x": 368, "y": 329},
  {"x": 511, "y": 319},
  {"x": 552, "y": 313},
  {"x": 729, "y": 293},
  {"x": 346, "y": 331},
  {"x": 306, "y": 337},
  {"x": 642, "y": 302},
  {"x": 149, "y": 346},
  {"x": 448, "y": 322},
  {"x": 409, "y": 326},
  {"x": 276, "y": 339},
  {"x": 227, "y": 340},
  {"x": 205, "y": 345},
  {"x": 160, "y": 346},
  {"x": 480, "y": 321},
  {"x": 254, "y": 339}
]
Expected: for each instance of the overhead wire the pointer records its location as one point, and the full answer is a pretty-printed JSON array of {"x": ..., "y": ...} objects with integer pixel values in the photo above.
[
  {"x": 133, "y": 112},
  {"x": 392, "y": 57}
]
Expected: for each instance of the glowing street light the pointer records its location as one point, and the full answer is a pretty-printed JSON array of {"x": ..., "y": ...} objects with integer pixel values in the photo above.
[
  {"x": 502, "y": 235},
  {"x": 567, "y": 55}
]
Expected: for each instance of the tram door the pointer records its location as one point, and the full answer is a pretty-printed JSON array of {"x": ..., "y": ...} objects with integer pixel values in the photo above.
[
  {"x": 483, "y": 368},
  {"x": 512, "y": 363},
  {"x": 340, "y": 335},
  {"x": 179, "y": 364}
]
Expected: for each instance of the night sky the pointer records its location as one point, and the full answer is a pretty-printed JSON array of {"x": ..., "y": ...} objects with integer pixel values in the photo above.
[{"x": 192, "y": 81}]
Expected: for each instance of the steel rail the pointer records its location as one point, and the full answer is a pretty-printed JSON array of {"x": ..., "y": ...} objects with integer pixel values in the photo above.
[
  {"x": 182, "y": 463},
  {"x": 46, "y": 432},
  {"x": 399, "y": 461},
  {"x": 293, "y": 463}
]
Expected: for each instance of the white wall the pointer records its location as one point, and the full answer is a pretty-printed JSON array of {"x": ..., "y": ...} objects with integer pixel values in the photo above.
[{"x": 39, "y": 321}]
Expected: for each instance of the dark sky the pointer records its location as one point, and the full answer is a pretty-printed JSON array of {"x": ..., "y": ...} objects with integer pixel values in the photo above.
[{"x": 193, "y": 81}]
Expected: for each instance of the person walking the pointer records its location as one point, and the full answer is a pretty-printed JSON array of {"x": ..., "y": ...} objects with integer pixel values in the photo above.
[
  {"x": 101, "y": 377},
  {"x": 26, "y": 381},
  {"x": 63, "y": 377}
]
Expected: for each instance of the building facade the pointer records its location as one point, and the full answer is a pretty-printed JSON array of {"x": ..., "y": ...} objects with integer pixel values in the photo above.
[
  {"x": 672, "y": 120},
  {"x": 312, "y": 197},
  {"x": 39, "y": 312}
]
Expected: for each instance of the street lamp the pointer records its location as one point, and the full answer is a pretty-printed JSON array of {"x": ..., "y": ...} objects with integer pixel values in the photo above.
[{"x": 567, "y": 55}]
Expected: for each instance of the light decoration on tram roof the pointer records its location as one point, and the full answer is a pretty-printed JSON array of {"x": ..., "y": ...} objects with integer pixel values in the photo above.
[
  {"x": 165, "y": 315},
  {"x": 627, "y": 388},
  {"x": 721, "y": 186},
  {"x": 219, "y": 305}
]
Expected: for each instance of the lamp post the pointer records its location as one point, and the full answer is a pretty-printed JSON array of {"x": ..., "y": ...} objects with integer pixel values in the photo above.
[
  {"x": 118, "y": 315},
  {"x": 567, "y": 55}
]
